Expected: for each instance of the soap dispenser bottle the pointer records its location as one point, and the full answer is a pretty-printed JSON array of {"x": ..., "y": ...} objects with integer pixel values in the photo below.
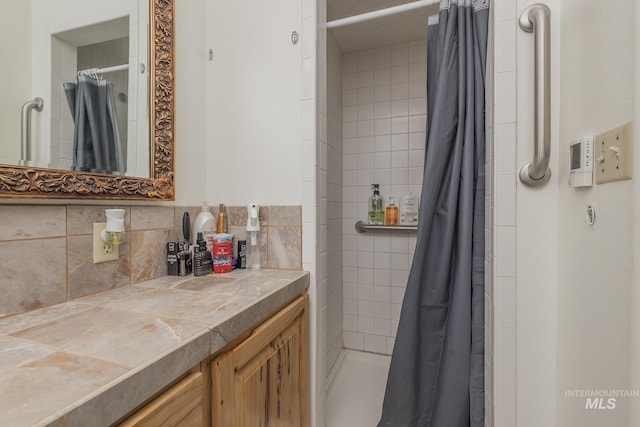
[
  {"x": 391, "y": 217},
  {"x": 376, "y": 212},
  {"x": 253, "y": 237}
]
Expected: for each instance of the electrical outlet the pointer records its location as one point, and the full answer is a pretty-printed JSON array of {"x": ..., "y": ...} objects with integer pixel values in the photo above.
[
  {"x": 613, "y": 154},
  {"x": 103, "y": 251}
]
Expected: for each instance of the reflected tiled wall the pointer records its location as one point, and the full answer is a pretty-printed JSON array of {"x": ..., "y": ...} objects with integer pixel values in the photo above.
[{"x": 46, "y": 251}]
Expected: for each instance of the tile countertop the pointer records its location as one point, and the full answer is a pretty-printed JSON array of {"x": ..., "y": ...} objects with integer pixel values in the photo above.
[{"x": 92, "y": 360}]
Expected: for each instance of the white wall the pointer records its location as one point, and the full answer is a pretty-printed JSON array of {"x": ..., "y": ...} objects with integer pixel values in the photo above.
[
  {"x": 634, "y": 306},
  {"x": 574, "y": 282},
  {"x": 595, "y": 265},
  {"x": 15, "y": 20},
  {"x": 191, "y": 115},
  {"x": 536, "y": 238},
  {"x": 253, "y": 94}
]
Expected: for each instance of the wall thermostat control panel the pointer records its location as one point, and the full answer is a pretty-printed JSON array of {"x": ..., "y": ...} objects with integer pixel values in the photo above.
[{"x": 581, "y": 163}]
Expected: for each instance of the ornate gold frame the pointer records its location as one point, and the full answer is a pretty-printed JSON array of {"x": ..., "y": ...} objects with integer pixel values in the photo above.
[{"x": 28, "y": 182}]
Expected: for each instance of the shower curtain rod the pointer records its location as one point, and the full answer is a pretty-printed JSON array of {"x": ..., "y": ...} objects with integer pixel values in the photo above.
[
  {"x": 380, "y": 13},
  {"x": 103, "y": 70}
]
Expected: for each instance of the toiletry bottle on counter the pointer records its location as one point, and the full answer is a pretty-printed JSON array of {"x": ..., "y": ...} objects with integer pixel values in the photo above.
[
  {"x": 172, "y": 259},
  {"x": 222, "y": 252},
  {"x": 222, "y": 220},
  {"x": 242, "y": 254},
  {"x": 185, "y": 258},
  {"x": 391, "y": 216},
  {"x": 204, "y": 221},
  {"x": 202, "y": 261},
  {"x": 376, "y": 211},
  {"x": 253, "y": 237},
  {"x": 409, "y": 209}
]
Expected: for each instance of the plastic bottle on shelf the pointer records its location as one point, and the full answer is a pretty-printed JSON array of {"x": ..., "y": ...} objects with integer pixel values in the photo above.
[
  {"x": 391, "y": 217},
  {"x": 409, "y": 209}
]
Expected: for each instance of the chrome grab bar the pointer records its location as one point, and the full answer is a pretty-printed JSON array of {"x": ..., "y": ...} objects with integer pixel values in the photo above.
[
  {"x": 37, "y": 105},
  {"x": 536, "y": 19},
  {"x": 362, "y": 227}
]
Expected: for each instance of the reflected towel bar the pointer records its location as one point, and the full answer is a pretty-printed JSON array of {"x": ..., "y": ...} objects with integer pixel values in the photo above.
[
  {"x": 362, "y": 227},
  {"x": 535, "y": 19}
]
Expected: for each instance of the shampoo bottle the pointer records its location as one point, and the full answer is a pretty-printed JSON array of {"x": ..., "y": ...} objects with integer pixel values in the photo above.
[
  {"x": 376, "y": 212},
  {"x": 409, "y": 209},
  {"x": 253, "y": 237},
  {"x": 391, "y": 217}
]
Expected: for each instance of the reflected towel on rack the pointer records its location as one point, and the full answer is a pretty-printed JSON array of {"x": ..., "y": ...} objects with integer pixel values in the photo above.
[{"x": 97, "y": 145}]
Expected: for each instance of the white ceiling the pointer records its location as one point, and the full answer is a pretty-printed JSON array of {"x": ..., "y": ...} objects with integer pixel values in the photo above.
[
  {"x": 393, "y": 29},
  {"x": 96, "y": 33}
]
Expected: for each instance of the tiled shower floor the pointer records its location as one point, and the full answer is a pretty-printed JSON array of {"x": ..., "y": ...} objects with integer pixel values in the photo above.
[{"x": 354, "y": 398}]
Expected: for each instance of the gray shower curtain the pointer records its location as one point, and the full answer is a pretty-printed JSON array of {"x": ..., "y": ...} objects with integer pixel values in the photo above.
[
  {"x": 97, "y": 146},
  {"x": 436, "y": 378}
]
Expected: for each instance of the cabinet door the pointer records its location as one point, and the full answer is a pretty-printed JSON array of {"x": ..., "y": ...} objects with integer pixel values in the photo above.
[
  {"x": 180, "y": 406},
  {"x": 264, "y": 381}
]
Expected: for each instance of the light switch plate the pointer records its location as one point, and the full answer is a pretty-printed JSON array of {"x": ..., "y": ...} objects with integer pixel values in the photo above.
[
  {"x": 613, "y": 154},
  {"x": 103, "y": 251}
]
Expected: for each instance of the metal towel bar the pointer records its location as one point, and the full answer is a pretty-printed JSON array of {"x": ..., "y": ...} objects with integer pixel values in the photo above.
[
  {"x": 536, "y": 19},
  {"x": 37, "y": 105}
]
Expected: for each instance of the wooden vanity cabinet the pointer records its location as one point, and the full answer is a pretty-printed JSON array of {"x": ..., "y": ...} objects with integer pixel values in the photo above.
[
  {"x": 181, "y": 406},
  {"x": 264, "y": 381}
]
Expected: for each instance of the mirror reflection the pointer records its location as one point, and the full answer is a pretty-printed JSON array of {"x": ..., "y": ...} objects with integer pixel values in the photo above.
[{"x": 88, "y": 63}]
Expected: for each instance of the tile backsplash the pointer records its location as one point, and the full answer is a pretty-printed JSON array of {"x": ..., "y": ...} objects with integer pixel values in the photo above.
[{"x": 46, "y": 251}]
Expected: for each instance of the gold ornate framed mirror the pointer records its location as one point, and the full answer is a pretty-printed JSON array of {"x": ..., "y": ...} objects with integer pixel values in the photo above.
[{"x": 32, "y": 182}]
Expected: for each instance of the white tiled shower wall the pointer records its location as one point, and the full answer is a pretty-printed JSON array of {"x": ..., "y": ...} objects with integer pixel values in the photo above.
[
  {"x": 384, "y": 122},
  {"x": 500, "y": 288}
]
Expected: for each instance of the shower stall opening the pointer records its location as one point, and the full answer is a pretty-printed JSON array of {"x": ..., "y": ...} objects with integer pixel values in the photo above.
[
  {"x": 376, "y": 73},
  {"x": 426, "y": 312}
]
